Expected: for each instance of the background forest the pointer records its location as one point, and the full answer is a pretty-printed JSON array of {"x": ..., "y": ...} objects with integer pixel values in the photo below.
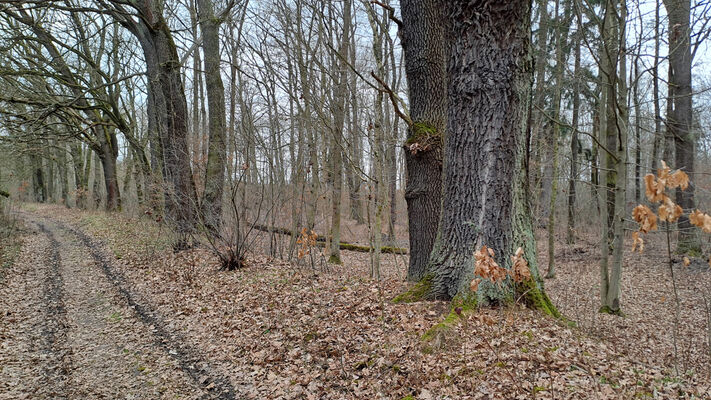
[{"x": 467, "y": 153}]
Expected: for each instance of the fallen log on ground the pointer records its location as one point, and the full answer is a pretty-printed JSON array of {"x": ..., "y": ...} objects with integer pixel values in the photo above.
[{"x": 322, "y": 240}]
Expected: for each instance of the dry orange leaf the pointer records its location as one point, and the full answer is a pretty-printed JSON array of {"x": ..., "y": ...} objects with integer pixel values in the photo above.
[
  {"x": 669, "y": 211},
  {"x": 678, "y": 179},
  {"x": 687, "y": 262},
  {"x": 701, "y": 220},
  {"x": 664, "y": 171},
  {"x": 474, "y": 284},
  {"x": 654, "y": 190},
  {"x": 637, "y": 242},
  {"x": 520, "y": 268},
  {"x": 645, "y": 218}
]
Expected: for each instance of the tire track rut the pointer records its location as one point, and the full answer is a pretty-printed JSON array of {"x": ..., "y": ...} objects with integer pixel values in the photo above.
[
  {"x": 173, "y": 343},
  {"x": 56, "y": 371}
]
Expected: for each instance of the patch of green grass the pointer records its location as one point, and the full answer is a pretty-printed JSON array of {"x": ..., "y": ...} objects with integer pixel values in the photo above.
[
  {"x": 115, "y": 317},
  {"x": 537, "y": 389}
]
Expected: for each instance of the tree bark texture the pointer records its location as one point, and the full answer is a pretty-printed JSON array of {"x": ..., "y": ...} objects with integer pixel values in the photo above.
[
  {"x": 489, "y": 79},
  {"x": 215, "y": 170},
  {"x": 680, "y": 119},
  {"x": 169, "y": 106},
  {"x": 425, "y": 45}
]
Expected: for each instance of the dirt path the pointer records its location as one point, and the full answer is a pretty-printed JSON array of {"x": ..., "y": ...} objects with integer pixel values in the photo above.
[{"x": 71, "y": 328}]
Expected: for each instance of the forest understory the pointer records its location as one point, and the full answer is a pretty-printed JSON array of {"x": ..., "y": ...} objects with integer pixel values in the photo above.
[{"x": 97, "y": 305}]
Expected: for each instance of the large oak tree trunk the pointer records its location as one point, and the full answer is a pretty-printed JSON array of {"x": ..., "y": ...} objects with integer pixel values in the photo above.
[
  {"x": 168, "y": 105},
  {"x": 425, "y": 45},
  {"x": 489, "y": 83}
]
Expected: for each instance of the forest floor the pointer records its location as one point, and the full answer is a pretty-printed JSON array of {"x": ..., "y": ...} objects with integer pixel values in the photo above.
[{"x": 97, "y": 305}]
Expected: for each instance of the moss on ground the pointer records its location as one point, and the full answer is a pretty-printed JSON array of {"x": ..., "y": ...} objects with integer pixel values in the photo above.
[
  {"x": 462, "y": 305},
  {"x": 416, "y": 293},
  {"x": 536, "y": 298},
  {"x": 608, "y": 310}
]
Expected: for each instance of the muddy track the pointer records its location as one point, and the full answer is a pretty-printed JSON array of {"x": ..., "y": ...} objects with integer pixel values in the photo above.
[
  {"x": 199, "y": 370},
  {"x": 54, "y": 326}
]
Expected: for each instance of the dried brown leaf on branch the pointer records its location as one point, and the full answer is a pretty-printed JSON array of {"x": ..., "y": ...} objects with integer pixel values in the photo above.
[
  {"x": 678, "y": 179},
  {"x": 645, "y": 217},
  {"x": 669, "y": 211},
  {"x": 521, "y": 272},
  {"x": 653, "y": 189},
  {"x": 486, "y": 267},
  {"x": 701, "y": 220},
  {"x": 637, "y": 242}
]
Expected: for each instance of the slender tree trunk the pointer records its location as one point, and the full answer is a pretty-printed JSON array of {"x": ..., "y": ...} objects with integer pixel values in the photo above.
[
  {"x": 215, "y": 170},
  {"x": 637, "y": 135},
  {"x": 96, "y": 187},
  {"x": 574, "y": 142},
  {"x": 613, "y": 69},
  {"x": 561, "y": 44},
  {"x": 62, "y": 165},
  {"x": 655, "y": 91},
  {"x": 426, "y": 51},
  {"x": 538, "y": 119},
  {"x": 680, "y": 119},
  {"x": 339, "y": 113}
]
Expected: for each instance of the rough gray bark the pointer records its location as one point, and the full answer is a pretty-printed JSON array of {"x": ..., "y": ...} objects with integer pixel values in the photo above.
[
  {"x": 215, "y": 169},
  {"x": 655, "y": 91},
  {"x": 168, "y": 105},
  {"x": 680, "y": 120},
  {"x": 489, "y": 71},
  {"x": 425, "y": 46},
  {"x": 613, "y": 67},
  {"x": 574, "y": 143},
  {"x": 339, "y": 114}
]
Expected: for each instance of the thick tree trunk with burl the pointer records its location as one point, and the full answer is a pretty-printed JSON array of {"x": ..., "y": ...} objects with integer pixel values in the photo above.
[{"x": 425, "y": 46}]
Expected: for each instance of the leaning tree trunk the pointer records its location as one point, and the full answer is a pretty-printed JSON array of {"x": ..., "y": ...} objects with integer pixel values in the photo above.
[
  {"x": 680, "y": 118},
  {"x": 425, "y": 45},
  {"x": 489, "y": 71},
  {"x": 215, "y": 170},
  {"x": 168, "y": 104}
]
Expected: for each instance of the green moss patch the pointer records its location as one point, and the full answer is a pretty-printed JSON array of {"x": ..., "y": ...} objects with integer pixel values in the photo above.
[
  {"x": 462, "y": 305},
  {"x": 537, "y": 299},
  {"x": 417, "y": 292}
]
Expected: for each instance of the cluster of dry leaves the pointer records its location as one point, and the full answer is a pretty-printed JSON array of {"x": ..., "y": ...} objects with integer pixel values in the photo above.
[
  {"x": 486, "y": 268},
  {"x": 279, "y": 331},
  {"x": 655, "y": 190}
]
